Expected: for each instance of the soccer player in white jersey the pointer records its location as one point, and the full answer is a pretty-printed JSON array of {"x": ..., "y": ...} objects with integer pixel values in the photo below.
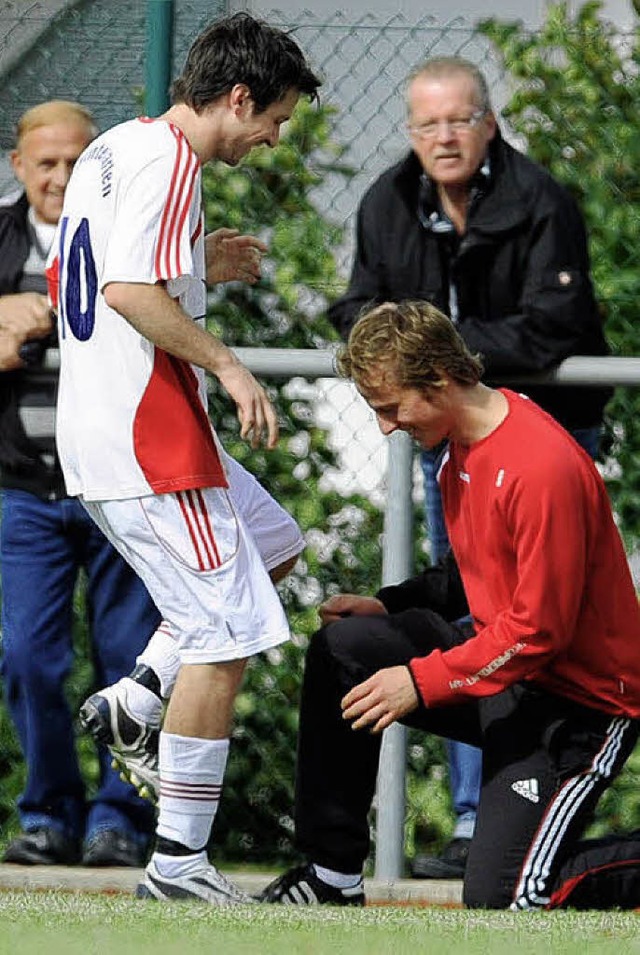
[{"x": 128, "y": 275}]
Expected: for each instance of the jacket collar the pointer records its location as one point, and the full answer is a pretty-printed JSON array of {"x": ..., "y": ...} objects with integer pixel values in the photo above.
[{"x": 429, "y": 210}]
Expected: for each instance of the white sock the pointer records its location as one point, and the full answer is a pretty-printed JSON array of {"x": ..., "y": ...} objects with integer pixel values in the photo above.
[
  {"x": 143, "y": 704},
  {"x": 191, "y": 775},
  {"x": 339, "y": 880},
  {"x": 173, "y": 867},
  {"x": 161, "y": 654}
]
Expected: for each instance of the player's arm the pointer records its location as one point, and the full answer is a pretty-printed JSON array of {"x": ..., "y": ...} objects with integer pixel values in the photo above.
[
  {"x": 161, "y": 320},
  {"x": 544, "y": 512}
]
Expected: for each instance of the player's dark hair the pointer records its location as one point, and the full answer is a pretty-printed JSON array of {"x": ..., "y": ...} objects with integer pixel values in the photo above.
[{"x": 240, "y": 49}]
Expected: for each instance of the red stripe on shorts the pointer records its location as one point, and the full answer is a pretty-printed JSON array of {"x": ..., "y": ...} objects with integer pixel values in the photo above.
[{"x": 188, "y": 519}]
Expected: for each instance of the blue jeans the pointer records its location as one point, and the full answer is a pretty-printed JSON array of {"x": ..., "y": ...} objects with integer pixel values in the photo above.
[
  {"x": 43, "y": 547},
  {"x": 465, "y": 762}
]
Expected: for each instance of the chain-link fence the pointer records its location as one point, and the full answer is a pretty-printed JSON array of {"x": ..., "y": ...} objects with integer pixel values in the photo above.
[
  {"x": 94, "y": 51},
  {"x": 331, "y": 472}
]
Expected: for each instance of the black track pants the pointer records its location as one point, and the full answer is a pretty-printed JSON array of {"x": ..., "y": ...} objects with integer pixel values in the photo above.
[{"x": 547, "y": 761}]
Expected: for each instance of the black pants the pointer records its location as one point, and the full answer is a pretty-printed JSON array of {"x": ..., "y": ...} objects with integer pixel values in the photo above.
[{"x": 546, "y": 762}]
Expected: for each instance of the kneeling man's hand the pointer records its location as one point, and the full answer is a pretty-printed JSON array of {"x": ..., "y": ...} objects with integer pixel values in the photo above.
[{"x": 385, "y": 697}]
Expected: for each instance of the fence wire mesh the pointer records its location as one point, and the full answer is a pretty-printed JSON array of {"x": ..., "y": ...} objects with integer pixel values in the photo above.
[{"x": 330, "y": 471}]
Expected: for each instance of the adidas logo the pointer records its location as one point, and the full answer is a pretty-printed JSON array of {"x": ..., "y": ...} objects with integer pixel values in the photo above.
[{"x": 528, "y": 788}]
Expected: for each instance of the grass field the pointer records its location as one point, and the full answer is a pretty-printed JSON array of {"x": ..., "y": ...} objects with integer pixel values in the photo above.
[{"x": 49, "y": 923}]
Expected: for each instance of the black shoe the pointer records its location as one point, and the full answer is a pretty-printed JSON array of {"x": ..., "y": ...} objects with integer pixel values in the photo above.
[
  {"x": 43, "y": 846},
  {"x": 450, "y": 865},
  {"x": 110, "y": 847},
  {"x": 301, "y": 886}
]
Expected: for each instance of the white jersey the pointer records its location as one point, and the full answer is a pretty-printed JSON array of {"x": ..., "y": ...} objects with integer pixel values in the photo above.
[{"x": 131, "y": 418}]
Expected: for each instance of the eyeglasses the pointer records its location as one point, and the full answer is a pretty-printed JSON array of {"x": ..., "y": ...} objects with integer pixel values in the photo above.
[{"x": 430, "y": 129}]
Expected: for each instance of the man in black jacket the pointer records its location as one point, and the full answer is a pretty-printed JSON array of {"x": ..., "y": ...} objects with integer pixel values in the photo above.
[
  {"x": 469, "y": 224},
  {"x": 47, "y": 538}
]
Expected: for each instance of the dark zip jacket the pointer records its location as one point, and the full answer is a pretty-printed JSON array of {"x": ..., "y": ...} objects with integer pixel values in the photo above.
[
  {"x": 521, "y": 271},
  {"x": 28, "y": 461}
]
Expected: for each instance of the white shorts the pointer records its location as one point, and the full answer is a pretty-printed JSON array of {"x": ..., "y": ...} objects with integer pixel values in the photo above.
[
  {"x": 275, "y": 532},
  {"x": 206, "y": 565}
]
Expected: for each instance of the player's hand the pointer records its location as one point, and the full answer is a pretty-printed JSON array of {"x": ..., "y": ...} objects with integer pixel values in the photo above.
[
  {"x": 385, "y": 697},
  {"x": 231, "y": 257},
  {"x": 26, "y": 314},
  {"x": 349, "y": 605},
  {"x": 256, "y": 414}
]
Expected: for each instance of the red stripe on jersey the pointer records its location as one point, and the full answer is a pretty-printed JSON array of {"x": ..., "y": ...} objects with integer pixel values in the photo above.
[
  {"x": 178, "y": 207},
  {"x": 166, "y": 215},
  {"x": 198, "y": 230},
  {"x": 188, "y": 519},
  {"x": 186, "y": 205},
  {"x": 170, "y": 235},
  {"x": 172, "y": 435}
]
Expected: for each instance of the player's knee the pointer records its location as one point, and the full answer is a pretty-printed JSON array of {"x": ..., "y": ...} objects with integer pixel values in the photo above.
[
  {"x": 328, "y": 643},
  {"x": 343, "y": 642},
  {"x": 320, "y": 645},
  {"x": 485, "y": 892}
]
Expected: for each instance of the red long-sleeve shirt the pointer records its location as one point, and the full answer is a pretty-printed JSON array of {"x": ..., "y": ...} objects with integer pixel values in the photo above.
[{"x": 544, "y": 571}]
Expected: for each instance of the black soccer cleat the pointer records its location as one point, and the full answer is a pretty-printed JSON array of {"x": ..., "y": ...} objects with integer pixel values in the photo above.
[
  {"x": 133, "y": 745},
  {"x": 301, "y": 886}
]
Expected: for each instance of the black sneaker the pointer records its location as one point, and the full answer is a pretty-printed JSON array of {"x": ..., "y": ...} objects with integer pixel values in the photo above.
[
  {"x": 301, "y": 886},
  {"x": 108, "y": 847},
  {"x": 451, "y": 864},
  {"x": 43, "y": 846}
]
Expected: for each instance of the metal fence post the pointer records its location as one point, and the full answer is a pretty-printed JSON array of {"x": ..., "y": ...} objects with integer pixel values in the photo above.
[
  {"x": 158, "y": 56},
  {"x": 396, "y": 566}
]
